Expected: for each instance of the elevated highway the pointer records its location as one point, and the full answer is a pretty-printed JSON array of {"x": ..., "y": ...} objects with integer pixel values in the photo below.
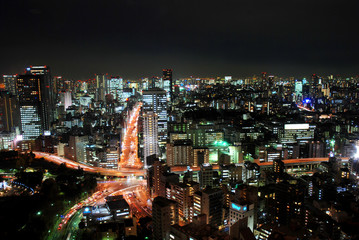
[{"x": 123, "y": 172}]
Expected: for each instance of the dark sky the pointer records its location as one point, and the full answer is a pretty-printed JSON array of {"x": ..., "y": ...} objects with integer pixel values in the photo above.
[{"x": 137, "y": 38}]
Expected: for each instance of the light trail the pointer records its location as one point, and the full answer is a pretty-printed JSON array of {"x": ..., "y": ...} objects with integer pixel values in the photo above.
[
  {"x": 129, "y": 144},
  {"x": 75, "y": 165}
]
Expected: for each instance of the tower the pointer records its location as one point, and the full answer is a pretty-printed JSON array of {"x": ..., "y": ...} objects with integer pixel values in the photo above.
[
  {"x": 35, "y": 101},
  {"x": 167, "y": 76}
]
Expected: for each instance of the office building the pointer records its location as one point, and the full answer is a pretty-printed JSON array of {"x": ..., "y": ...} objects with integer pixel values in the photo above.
[
  {"x": 10, "y": 83},
  {"x": 35, "y": 101},
  {"x": 115, "y": 87},
  {"x": 155, "y": 100},
  {"x": 101, "y": 87},
  {"x": 298, "y": 132}
]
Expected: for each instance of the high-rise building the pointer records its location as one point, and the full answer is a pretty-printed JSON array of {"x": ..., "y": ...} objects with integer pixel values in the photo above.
[
  {"x": 180, "y": 153},
  {"x": 314, "y": 84},
  {"x": 35, "y": 101},
  {"x": 150, "y": 135},
  {"x": 8, "y": 111},
  {"x": 115, "y": 87},
  {"x": 164, "y": 214},
  {"x": 155, "y": 100},
  {"x": 66, "y": 99},
  {"x": 159, "y": 168},
  {"x": 10, "y": 83},
  {"x": 182, "y": 193},
  {"x": 167, "y": 81},
  {"x": 101, "y": 87}
]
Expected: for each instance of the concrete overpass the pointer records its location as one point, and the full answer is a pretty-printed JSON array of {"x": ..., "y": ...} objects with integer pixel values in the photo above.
[{"x": 123, "y": 172}]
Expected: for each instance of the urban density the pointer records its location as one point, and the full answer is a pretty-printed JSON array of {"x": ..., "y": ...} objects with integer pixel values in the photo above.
[
  {"x": 179, "y": 120},
  {"x": 260, "y": 157}
]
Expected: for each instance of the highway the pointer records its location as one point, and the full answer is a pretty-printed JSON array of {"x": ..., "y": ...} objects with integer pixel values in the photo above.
[
  {"x": 75, "y": 165},
  {"x": 67, "y": 224},
  {"x": 129, "y": 147}
]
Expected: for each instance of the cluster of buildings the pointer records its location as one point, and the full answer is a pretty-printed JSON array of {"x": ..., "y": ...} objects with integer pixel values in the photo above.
[{"x": 225, "y": 158}]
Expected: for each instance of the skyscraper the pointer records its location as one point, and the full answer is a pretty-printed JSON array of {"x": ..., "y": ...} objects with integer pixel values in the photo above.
[
  {"x": 167, "y": 76},
  {"x": 10, "y": 83},
  {"x": 101, "y": 86},
  {"x": 8, "y": 111},
  {"x": 155, "y": 100},
  {"x": 150, "y": 135},
  {"x": 35, "y": 100}
]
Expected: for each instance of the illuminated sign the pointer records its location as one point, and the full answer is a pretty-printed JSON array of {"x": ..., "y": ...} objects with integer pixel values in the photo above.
[
  {"x": 87, "y": 210},
  {"x": 236, "y": 207},
  {"x": 296, "y": 126}
]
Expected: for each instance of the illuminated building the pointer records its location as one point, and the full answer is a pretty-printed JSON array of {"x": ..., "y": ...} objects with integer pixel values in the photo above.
[
  {"x": 115, "y": 87},
  {"x": 298, "y": 89},
  {"x": 101, "y": 87},
  {"x": 182, "y": 193},
  {"x": 239, "y": 211},
  {"x": 66, "y": 99},
  {"x": 180, "y": 153},
  {"x": 8, "y": 111},
  {"x": 7, "y": 140},
  {"x": 118, "y": 207},
  {"x": 159, "y": 168},
  {"x": 76, "y": 150},
  {"x": 236, "y": 154},
  {"x": 10, "y": 83},
  {"x": 150, "y": 135},
  {"x": 164, "y": 214},
  {"x": 110, "y": 160},
  {"x": 200, "y": 156},
  {"x": 168, "y": 82},
  {"x": 35, "y": 100},
  {"x": 297, "y": 132},
  {"x": 155, "y": 100},
  {"x": 205, "y": 176}
]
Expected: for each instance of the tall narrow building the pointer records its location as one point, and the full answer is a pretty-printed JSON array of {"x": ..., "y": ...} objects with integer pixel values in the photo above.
[
  {"x": 167, "y": 81},
  {"x": 150, "y": 135},
  {"x": 35, "y": 101},
  {"x": 8, "y": 111},
  {"x": 155, "y": 100}
]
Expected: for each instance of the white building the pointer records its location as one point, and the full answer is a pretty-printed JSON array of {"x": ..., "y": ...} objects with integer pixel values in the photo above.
[
  {"x": 150, "y": 134},
  {"x": 239, "y": 211}
]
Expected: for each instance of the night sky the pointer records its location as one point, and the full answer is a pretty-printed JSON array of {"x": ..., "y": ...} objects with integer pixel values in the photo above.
[{"x": 137, "y": 38}]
